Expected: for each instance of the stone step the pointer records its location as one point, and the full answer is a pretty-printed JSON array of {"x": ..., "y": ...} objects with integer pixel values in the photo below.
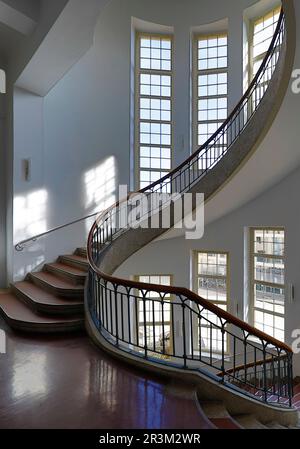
[
  {"x": 74, "y": 275},
  {"x": 20, "y": 317},
  {"x": 249, "y": 422},
  {"x": 75, "y": 261},
  {"x": 56, "y": 285},
  {"x": 218, "y": 415},
  {"x": 42, "y": 301}
]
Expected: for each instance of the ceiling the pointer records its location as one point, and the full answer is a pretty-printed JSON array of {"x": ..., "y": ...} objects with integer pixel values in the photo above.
[{"x": 18, "y": 19}]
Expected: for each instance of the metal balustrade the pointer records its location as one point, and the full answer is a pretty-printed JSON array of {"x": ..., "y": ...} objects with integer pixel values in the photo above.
[{"x": 172, "y": 325}]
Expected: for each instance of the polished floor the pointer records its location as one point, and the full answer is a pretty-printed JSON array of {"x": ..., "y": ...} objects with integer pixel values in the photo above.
[{"x": 66, "y": 382}]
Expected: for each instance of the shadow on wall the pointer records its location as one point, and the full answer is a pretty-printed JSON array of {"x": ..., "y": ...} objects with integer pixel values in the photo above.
[{"x": 100, "y": 187}]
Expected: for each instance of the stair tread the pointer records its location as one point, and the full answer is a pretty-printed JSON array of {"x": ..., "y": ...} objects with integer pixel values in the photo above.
[
  {"x": 214, "y": 409},
  {"x": 249, "y": 422},
  {"x": 16, "y": 310},
  {"x": 75, "y": 257},
  {"x": 55, "y": 281},
  {"x": 67, "y": 269},
  {"x": 82, "y": 250},
  {"x": 40, "y": 296},
  {"x": 218, "y": 414}
]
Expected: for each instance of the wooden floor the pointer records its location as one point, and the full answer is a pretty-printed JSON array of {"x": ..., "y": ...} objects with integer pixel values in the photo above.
[{"x": 66, "y": 382}]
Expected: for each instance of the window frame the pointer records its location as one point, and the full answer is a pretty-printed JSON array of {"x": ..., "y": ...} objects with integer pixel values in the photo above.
[
  {"x": 171, "y": 277},
  {"x": 252, "y": 283},
  {"x": 228, "y": 286},
  {"x": 195, "y": 74},
  {"x": 137, "y": 95},
  {"x": 252, "y": 60}
]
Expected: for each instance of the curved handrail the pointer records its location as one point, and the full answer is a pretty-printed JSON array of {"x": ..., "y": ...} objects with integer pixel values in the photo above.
[
  {"x": 181, "y": 290},
  {"x": 103, "y": 233},
  {"x": 226, "y": 316},
  {"x": 248, "y": 365}
]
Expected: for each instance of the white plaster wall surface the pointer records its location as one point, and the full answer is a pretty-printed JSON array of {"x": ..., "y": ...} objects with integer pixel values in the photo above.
[
  {"x": 84, "y": 151},
  {"x": 87, "y": 114}
]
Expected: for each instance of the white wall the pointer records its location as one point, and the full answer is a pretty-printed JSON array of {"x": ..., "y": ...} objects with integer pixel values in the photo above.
[
  {"x": 30, "y": 196},
  {"x": 18, "y": 55},
  {"x": 87, "y": 114}
]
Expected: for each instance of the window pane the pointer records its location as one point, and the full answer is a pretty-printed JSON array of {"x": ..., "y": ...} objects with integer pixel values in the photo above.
[
  {"x": 212, "y": 284},
  {"x": 157, "y": 314},
  {"x": 269, "y": 281},
  {"x": 155, "y": 105},
  {"x": 212, "y": 91}
]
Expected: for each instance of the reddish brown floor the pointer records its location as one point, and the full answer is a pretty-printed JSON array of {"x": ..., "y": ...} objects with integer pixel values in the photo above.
[{"x": 66, "y": 382}]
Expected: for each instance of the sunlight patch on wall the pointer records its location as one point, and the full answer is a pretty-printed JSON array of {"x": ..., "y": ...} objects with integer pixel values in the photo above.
[
  {"x": 100, "y": 186},
  {"x": 30, "y": 214}
]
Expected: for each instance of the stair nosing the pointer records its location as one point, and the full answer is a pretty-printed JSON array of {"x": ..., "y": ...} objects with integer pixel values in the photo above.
[
  {"x": 66, "y": 307},
  {"x": 74, "y": 289}
]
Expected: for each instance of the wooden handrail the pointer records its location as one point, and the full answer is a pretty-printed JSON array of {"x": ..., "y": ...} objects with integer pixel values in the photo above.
[
  {"x": 181, "y": 291},
  {"x": 251, "y": 365}
]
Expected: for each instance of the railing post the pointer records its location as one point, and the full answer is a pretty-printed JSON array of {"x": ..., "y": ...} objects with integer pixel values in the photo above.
[
  {"x": 265, "y": 386},
  {"x": 290, "y": 378},
  {"x": 223, "y": 351},
  {"x": 116, "y": 314},
  {"x": 184, "y": 336},
  {"x": 145, "y": 326}
]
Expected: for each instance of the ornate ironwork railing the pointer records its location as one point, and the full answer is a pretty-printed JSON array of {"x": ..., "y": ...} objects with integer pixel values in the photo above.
[{"x": 172, "y": 325}]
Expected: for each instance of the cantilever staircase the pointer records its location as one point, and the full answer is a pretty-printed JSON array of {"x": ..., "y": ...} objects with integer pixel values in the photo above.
[{"x": 248, "y": 372}]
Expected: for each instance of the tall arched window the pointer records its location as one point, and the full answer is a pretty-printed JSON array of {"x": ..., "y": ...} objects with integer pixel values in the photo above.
[{"x": 154, "y": 84}]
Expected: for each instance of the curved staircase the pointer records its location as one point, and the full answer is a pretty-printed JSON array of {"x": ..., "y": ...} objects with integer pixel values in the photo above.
[
  {"x": 51, "y": 300},
  {"x": 219, "y": 362}
]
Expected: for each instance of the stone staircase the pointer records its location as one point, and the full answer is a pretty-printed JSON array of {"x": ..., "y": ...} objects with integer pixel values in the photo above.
[
  {"x": 220, "y": 418},
  {"x": 51, "y": 300}
]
